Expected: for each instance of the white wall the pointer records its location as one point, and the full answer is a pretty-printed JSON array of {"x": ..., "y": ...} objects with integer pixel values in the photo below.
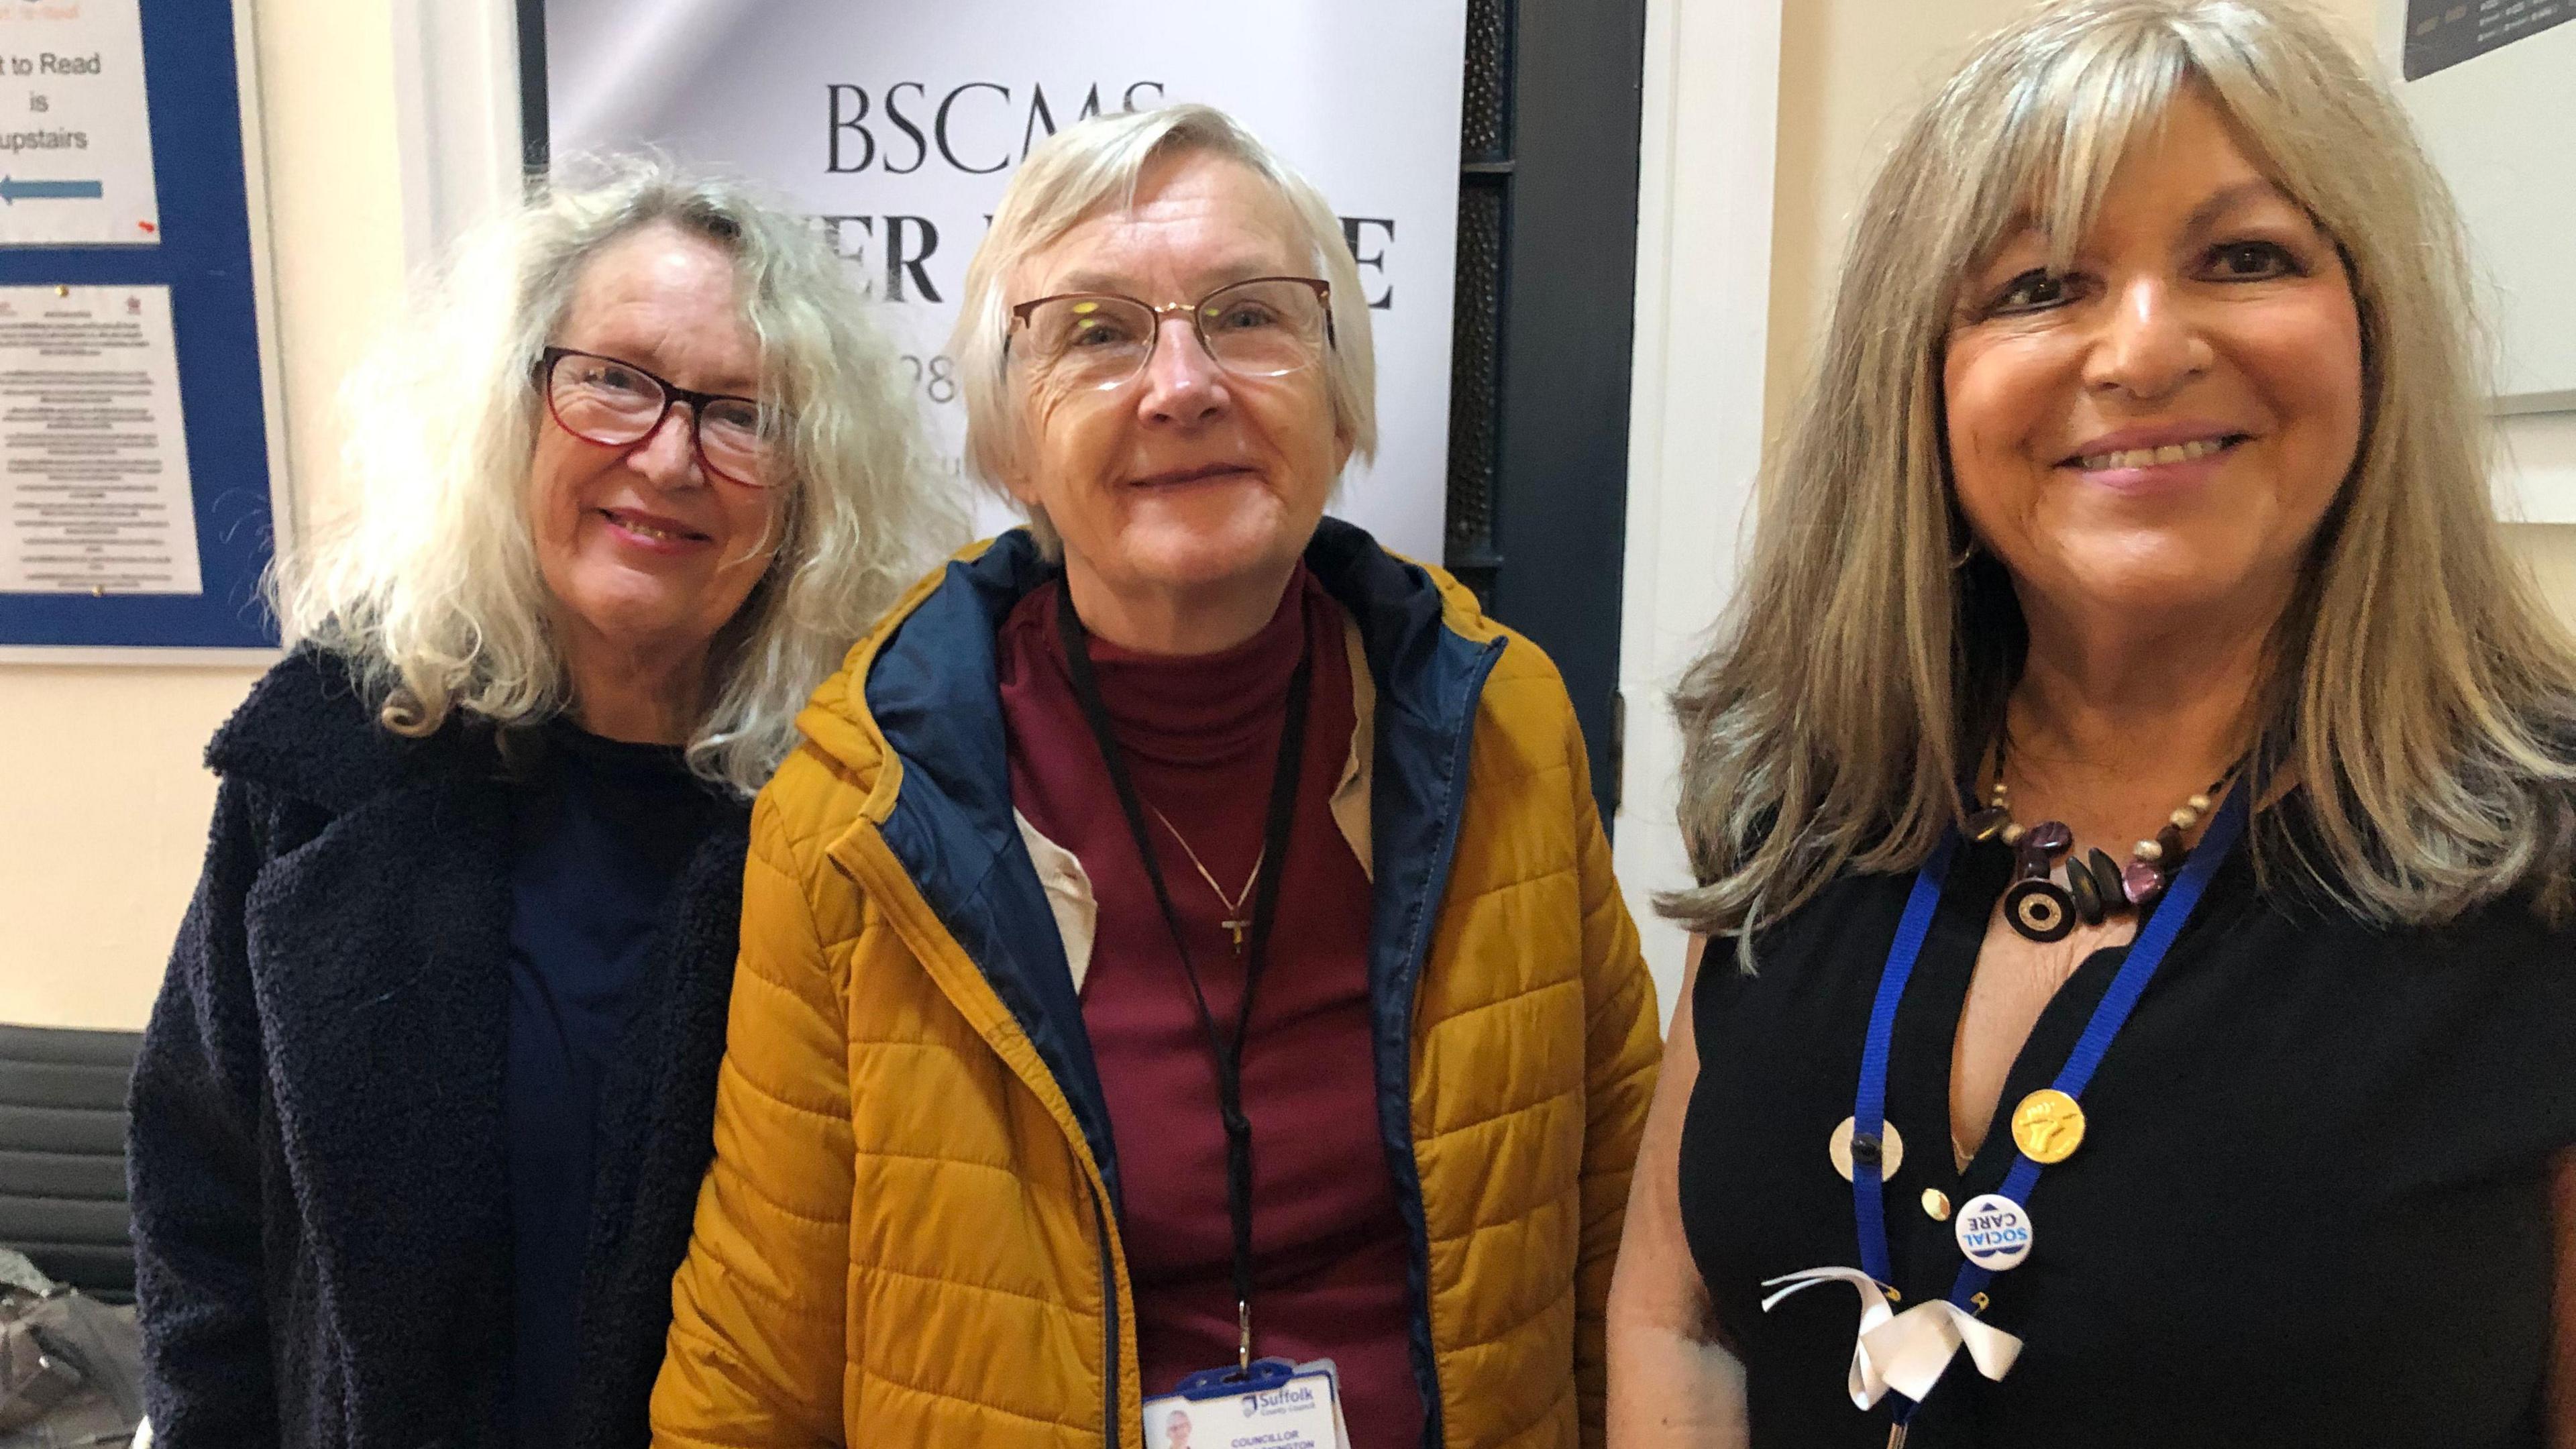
[{"x": 1704, "y": 239}]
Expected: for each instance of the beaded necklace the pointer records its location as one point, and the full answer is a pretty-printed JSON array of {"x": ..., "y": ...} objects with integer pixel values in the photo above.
[{"x": 2096, "y": 886}]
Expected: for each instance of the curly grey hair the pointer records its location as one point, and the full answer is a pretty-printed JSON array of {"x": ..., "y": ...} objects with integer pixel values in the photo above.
[{"x": 428, "y": 585}]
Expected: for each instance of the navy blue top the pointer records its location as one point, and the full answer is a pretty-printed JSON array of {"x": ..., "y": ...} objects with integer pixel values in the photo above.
[{"x": 601, "y": 833}]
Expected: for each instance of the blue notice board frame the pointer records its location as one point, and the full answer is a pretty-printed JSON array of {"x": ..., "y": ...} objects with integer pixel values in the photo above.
[{"x": 192, "y": 70}]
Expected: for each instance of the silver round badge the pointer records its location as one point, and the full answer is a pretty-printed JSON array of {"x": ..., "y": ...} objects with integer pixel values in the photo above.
[{"x": 1994, "y": 1231}]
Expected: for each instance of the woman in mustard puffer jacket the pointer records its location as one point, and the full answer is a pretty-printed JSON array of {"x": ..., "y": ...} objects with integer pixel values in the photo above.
[{"x": 1186, "y": 934}]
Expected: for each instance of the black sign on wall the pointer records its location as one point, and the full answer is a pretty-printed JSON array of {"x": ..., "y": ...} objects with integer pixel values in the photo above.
[{"x": 2442, "y": 33}]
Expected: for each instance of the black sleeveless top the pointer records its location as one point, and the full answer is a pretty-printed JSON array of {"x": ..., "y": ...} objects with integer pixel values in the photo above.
[{"x": 2311, "y": 1206}]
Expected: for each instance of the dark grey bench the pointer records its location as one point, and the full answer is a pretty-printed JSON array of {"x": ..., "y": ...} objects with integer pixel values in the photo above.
[{"x": 62, "y": 1155}]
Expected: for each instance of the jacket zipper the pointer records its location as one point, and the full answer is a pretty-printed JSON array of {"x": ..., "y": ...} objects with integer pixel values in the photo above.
[{"x": 1109, "y": 1316}]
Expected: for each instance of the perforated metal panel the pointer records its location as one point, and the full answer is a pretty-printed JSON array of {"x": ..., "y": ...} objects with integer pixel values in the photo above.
[
  {"x": 1485, "y": 130},
  {"x": 1475, "y": 368},
  {"x": 1475, "y": 384}
]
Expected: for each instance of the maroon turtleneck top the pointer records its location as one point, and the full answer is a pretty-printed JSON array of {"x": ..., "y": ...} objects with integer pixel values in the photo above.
[{"x": 1201, "y": 737}]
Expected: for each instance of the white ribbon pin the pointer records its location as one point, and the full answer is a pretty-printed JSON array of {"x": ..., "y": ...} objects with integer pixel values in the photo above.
[{"x": 1905, "y": 1351}]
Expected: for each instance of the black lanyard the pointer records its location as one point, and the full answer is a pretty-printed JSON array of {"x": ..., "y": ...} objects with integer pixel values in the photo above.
[{"x": 1227, "y": 1052}]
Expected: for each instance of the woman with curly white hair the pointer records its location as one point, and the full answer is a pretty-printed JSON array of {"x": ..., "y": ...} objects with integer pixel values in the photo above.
[{"x": 425, "y": 1100}]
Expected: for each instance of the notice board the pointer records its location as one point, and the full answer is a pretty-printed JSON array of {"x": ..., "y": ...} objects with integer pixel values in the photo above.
[{"x": 137, "y": 504}]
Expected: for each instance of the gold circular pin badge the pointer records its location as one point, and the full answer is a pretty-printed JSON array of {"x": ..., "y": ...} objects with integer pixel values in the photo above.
[
  {"x": 1890, "y": 1147},
  {"x": 2048, "y": 1126},
  {"x": 1936, "y": 1204}
]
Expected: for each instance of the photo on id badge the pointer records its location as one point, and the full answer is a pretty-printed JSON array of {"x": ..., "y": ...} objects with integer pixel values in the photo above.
[{"x": 1299, "y": 1408}]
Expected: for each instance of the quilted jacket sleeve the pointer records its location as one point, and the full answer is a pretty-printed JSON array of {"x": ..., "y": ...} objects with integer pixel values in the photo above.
[
  {"x": 193, "y": 1160},
  {"x": 757, "y": 1345},
  {"x": 1622, "y": 1045}
]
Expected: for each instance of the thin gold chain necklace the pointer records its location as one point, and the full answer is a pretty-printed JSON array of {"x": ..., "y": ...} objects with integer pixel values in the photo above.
[{"x": 1237, "y": 922}]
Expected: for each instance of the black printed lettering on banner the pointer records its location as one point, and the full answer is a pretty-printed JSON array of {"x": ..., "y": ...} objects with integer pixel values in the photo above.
[
  {"x": 957, "y": 122},
  {"x": 900, "y": 262},
  {"x": 910, "y": 241},
  {"x": 836, "y": 231},
  {"x": 1352, "y": 227},
  {"x": 941, "y": 126},
  {"x": 897, "y": 130},
  {"x": 849, "y": 113},
  {"x": 903, "y": 123},
  {"x": 1040, "y": 115}
]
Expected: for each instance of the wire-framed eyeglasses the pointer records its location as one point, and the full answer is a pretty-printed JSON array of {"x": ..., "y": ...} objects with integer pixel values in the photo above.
[
  {"x": 616, "y": 404},
  {"x": 1264, "y": 327}
]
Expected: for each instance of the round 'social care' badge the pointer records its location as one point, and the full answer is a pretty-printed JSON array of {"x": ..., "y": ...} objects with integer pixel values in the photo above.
[{"x": 1994, "y": 1231}]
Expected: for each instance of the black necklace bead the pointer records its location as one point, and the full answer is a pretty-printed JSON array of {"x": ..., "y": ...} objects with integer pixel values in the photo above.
[
  {"x": 2080, "y": 889},
  {"x": 2040, "y": 910},
  {"x": 2106, "y": 877}
]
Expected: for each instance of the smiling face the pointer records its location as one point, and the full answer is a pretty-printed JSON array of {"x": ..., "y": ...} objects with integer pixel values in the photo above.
[
  {"x": 2163, "y": 426},
  {"x": 647, "y": 555},
  {"x": 1186, "y": 478}
]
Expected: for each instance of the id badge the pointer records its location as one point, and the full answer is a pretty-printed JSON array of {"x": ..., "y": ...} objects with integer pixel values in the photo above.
[{"x": 1278, "y": 1405}]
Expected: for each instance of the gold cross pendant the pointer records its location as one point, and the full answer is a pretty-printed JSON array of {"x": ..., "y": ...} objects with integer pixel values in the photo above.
[{"x": 1238, "y": 928}]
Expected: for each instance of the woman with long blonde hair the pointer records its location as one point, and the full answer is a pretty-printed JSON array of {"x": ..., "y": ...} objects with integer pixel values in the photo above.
[{"x": 2134, "y": 810}]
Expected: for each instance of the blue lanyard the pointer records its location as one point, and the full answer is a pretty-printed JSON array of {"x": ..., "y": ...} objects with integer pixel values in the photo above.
[{"x": 1869, "y": 1104}]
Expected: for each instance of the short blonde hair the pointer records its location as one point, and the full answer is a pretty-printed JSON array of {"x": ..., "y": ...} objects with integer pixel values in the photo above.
[
  {"x": 1086, "y": 169},
  {"x": 2417, "y": 692},
  {"x": 429, "y": 584}
]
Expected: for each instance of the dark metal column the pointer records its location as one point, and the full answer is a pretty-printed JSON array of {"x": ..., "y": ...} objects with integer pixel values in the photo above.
[{"x": 1546, "y": 291}]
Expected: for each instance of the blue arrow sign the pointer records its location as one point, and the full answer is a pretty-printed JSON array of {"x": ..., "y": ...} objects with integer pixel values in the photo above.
[{"x": 11, "y": 190}]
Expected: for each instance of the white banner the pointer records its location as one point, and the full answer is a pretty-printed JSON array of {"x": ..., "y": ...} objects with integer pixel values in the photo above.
[{"x": 899, "y": 125}]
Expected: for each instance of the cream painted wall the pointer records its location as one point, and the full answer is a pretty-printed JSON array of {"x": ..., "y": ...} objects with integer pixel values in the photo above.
[
  {"x": 1851, "y": 71},
  {"x": 2549, "y": 550},
  {"x": 107, "y": 800}
]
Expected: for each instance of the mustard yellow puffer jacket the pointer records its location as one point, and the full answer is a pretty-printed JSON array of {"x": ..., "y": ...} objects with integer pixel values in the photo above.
[{"x": 907, "y": 1237}]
